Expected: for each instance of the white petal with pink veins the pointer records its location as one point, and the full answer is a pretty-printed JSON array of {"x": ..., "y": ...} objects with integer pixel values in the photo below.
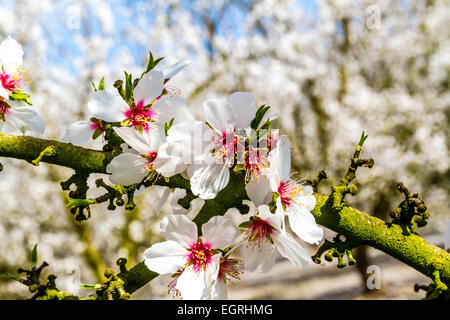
[
  {"x": 165, "y": 257},
  {"x": 180, "y": 229},
  {"x": 107, "y": 106}
]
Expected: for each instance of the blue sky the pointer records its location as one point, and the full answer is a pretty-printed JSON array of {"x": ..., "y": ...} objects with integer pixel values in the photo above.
[{"x": 61, "y": 25}]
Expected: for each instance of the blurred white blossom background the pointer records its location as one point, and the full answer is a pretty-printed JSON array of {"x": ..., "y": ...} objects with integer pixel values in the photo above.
[{"x": 331, "y": 68}]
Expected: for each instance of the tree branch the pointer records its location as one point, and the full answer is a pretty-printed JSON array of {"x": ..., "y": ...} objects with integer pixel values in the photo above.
[{"x": 358, "y": 227}]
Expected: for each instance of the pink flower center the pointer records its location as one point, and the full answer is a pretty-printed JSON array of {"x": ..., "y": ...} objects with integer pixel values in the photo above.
[
  {"x": 141, "y": 117},
  {"x": 150, "y": 157},
  {"x": 289, "y": 192},
  {"x": 226, "y": 146},
  {"x": 255, "y": 162},
  {"x": 199, "y": 255},
  {"x": 228, "y": 269},
  {"x": 258, "y": 231},
  {"x": 10, "y": 82}
]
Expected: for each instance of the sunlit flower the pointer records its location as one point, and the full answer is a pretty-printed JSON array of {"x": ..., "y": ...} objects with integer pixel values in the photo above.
[
  {"x": 142, "y": 113},
  {"x": 264, "y": 237},
  {"x": 16, "y": 119},
  {"x": 11, "y": 58},
  {"x": 195, "y": 260},
  {"x": 294, "y": 199}
]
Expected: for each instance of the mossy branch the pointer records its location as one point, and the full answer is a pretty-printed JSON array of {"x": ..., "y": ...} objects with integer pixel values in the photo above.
[{"x": 331, "y": 211}]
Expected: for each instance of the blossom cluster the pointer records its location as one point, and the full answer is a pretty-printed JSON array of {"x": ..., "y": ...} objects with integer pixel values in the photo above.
[
  {"x": 14, "y": 116},
  {"x": 163, "y": 139}
]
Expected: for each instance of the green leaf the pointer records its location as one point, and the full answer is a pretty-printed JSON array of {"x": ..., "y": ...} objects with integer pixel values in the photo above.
[
  {"x": 259, "y": 116},
  {"x": 245, "y": 224},
  {"x": 168, "y": 126},
  {"x": 34, "y": 256},
  {"x": 20, "y": 96},
  {"x": 128, "y": 87},
  {"x": 71, "y": 202},
  {"x": 97, "y": 133},
  {"x": 152, "y": 63},
  {"x": 101, "y": 85},
  {"x": 9, "y": 276}
]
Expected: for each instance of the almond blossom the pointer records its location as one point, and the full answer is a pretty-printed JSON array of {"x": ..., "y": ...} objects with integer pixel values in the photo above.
[
  {"x": 293, "y": 198},
  {"x": 17, "y": 119},
  {"x": 11, "y": 58},
  {"x": 187, "y": 151},
  {"x": 129, "y": 167},
  {"x": 195, "y": 261},
  {"x": 140, "y": 114},
  {"x": 264, "y": 237}
]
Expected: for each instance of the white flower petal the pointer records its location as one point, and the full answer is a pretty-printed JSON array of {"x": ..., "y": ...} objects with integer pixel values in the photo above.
[
  {"x": 172, "y": 159},
  {"x": 218, "y": 290},
  {"x": 180, "y": 229},
  {"x": 78, "y": 133},
  {"x": 126, "y": 169},
  {"x": 11, "y": 55},
  {"x": 149, "y": 87},
  {"x": 208, "y": 180},
  {"x": 197, "y": 285},
  {"x": 218, "y": 114},
  {"x": 107, "y": 106},
  {"x": 275, "y": 219},
  {"x": 163, "y": 199},
  {"x": 169, "y": 108},
  {"x": 26, "y": 120},
  {"x": 173, "y": 69},
  {"x": 259, "y": 190},
  {"x": 260, "y": 259},
  {"x": 291, "y": 249},
  {"x": 283, "y": 155},
  {"x": 302, "y": 222},
  {"x": 4, "y": 93},
  {"x": 191, "y": 284},
  {"x": 165, "y": 257},
  {"x": 139, "y": 142},
  {"x": 220, "y": 232},
  {"x": 243, "y": 109}
]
